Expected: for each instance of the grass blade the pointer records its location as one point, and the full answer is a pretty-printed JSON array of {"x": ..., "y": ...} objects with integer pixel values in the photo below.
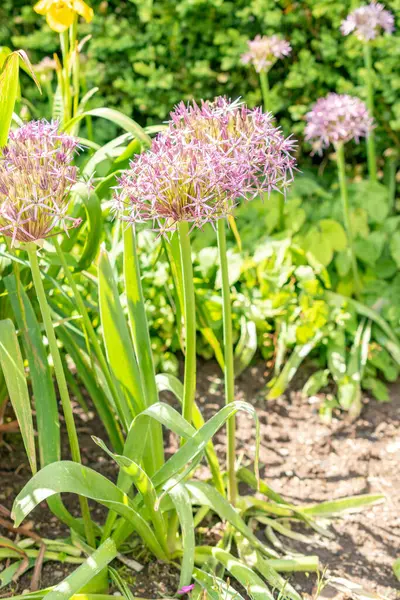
[
  {"x": 14, "y": 374},
  {"x": 335, "y": 507}
]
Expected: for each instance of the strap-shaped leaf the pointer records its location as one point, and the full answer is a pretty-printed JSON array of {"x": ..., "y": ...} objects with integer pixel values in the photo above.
[
  {"x": 181, "y": 501},
  {"x": 118, "y": 344},
  {"x": 93, "y": 565},
  {"x": 14, "y": 374},
  {"x": 205, "y": 495},
  {"x": 252, "y": 583},
  {"x": 116, "y": 117},
  {"x": 68, "y": 476}
]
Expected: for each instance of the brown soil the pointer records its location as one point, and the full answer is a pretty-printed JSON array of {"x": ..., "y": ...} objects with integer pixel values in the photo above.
[{"x": 305, "y": 460}]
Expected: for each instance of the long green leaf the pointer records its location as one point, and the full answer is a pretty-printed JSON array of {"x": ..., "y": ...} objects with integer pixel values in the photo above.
[
  {"x": 255, "y": 561},
  {"x": 205, "y": 495},
  {"x": 198, "y": 442},
  {"x": 94, "y": 226},
  {"x": 145, "y": 487},
  {"x": 68, "y": 476},
  {"x": 215, "y": 587},
  {"x": 93, "y": 565},
  {"x": 170, "y": 383},
  {"x": 47, "y": 419},
  {"x": 118, "y": 344},
  {"x": 252, "y": 583},
  {"x": 14, "y": 374},
  {"x": 141, "y": 338},
  {"x": 115, "y": 117},
  {"x": 335, "y": 507},
  {"x": 292, "y": 364},
  {"x": 94, "y": 390},
  {"x": 9, "y": 79},
  {"x": 181, "y": 501}
]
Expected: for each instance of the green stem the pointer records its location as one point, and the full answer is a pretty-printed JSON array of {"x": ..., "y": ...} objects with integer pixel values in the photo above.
[
  {"x": 371, "y": 154},
  {"x": 88, "y": 324},
  {"x": 228, "y": 356},
  {"x": 265, "y": 89},
  {"x": 61, "y": 381},
  {"x": 346, "y": 214},
  {"x": 189, "y": 386},
  {"x": 64, "y": 42}
]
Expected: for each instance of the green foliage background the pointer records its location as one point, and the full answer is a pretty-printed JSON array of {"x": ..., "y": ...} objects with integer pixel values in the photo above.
[{"x": 146, "y": 56}]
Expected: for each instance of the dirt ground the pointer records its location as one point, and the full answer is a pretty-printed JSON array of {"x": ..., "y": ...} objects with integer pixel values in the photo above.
[{"x": 304, "y": 459}]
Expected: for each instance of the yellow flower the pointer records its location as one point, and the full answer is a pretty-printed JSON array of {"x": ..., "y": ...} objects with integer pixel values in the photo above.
[{"x": 60, "y": 14}]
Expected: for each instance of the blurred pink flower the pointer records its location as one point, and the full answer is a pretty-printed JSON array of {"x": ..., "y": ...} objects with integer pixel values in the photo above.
[
  {"x": 186, "y": 589},
  {"x": 367, "y": 21},
  {"x": 36, "y": 176},
  {"x": 264, "y": 51},
  {"x": 337, "y": 118}
]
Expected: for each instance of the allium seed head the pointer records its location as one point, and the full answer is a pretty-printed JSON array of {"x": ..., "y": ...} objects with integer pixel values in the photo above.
[
  {"x": 367, "y": 22},
  {"x": 337, "y": 119},
  {"x": 209, "y": 157},
  {"x": 36, "y": 177},
  {"x": 264, "y": 51}
]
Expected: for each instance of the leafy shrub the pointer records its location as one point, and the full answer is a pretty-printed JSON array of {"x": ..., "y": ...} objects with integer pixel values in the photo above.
[{"x": 147, "y": 56}]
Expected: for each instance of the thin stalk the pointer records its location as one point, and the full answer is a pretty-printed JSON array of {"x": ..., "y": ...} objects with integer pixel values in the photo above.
[
  {"x": 88, "y": 324},
  {"x": 64, "y": 42},
  {"x": 229, "y": 369},
  {"x": 265, "y": 89},
  {"x": 189, "y": 385},
  {"x": 346, "y": 214},
  {"x": 371, "y": 154},
  {"x": 61, "y": 382}
]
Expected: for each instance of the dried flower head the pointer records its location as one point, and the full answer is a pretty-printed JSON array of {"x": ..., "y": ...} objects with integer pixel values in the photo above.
[
  {"x": 264, "y": 51},
  {"x": 36, "y": 176},
  {"x": 337, "y": 119},
  {"x": 210, "y": 156},
  {"x": 368, "y": 21}
]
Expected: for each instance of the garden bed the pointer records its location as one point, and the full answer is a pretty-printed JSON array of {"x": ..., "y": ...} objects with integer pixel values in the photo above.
[{"x": 306, "y": 461}]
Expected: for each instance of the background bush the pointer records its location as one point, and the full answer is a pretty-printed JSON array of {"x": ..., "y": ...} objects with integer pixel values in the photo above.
[{"x": 146, "y": 56}]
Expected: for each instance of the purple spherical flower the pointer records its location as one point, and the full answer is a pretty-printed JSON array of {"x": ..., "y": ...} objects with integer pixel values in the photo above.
[
  {"x": 264, "y": 51},
  {"x": 208, "y": 158},
  {"x": 36, "y": 176},
  {"x": 248, "y": 137},
  {"x": 337, "y": 119},
  {"x": 368, "y": 21},
  {"x": 178, "y": 180}
]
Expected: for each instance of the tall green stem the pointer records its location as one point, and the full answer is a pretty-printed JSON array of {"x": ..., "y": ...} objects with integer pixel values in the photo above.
[
  {"x": 371, "y": 154},
  {"x": 64, "y": 42},
  {"x": 346, "y": 214},
  {"x": 265, "y": 89},
  {"x": 61, "y": 382},
  {"x": 228, "y": 356},
  {"x": 189, "y": 385}
]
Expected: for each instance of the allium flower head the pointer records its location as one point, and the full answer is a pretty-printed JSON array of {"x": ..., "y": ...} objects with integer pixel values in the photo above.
[
  {"x": 264, "y": 51},
  {"x": 337, "y": 119},
  {"x": 209, "y": 157},
  {"x": 368, "y": 21},
  {"x": 36, "y": 176}
]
